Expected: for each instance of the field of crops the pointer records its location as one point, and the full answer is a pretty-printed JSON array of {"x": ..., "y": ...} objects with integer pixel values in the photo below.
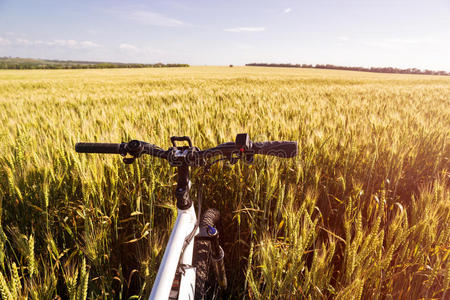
[{"x": 362, "y": 212}]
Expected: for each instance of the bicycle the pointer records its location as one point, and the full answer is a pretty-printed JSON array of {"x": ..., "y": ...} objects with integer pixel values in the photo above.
[{"x": 193, "y": 247}]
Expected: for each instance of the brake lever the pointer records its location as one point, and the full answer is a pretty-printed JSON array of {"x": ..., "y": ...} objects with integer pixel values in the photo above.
[
  {"x": 233, "y": 160},
  {"x": 129, "y": 160}
]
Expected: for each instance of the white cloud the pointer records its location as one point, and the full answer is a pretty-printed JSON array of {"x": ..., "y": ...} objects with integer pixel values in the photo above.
[
  {"x": 343, "y": 38},
  {"x": 400, "y": 43},
  {"x": 23, "y": 42},
  {"x": 73, "y": 44},
  {"x": 155, "y": 19},
  {"x": 150, "y": 18},
  {"x": 245, "y": 29},
  {"x": 140, "y": 50},
  {"x": 4, "y": 42},
  {"x": 287, "y": 10},
  {"x": 243, "y": 46},
  {"x": 64, "y": 43},
  {"x": 125, "y": 46},
  {"x": 88, "y": 44},
  {"x": 409, "y": 41}
]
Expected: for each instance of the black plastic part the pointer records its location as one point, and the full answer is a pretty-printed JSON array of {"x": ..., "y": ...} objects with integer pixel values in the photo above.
[
  {"x": 107, "y": 148},
  {"x": 243, "y": 141},
  {"x": 280, "y": 149},
  {"x": 184, "y": 201},
  {"x": 135, "y": 148},
  {"x": 129, "y": 160},
  {"x": 180, "y": 139}
]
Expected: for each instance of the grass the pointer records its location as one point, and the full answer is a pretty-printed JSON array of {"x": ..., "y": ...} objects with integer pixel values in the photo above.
[{"x": 362, "y": 212}]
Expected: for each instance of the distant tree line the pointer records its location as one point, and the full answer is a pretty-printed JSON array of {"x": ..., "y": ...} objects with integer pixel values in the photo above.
[
  {"x": 23, "y": 63},
  {"x": 87, "y": 66},
  {"x": 362, "y": 69}
]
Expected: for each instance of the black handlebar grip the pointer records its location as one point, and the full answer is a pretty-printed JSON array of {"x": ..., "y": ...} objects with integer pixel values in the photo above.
[
  {"x": 98, "y": 148},
  {"x": 276, "y": 148}
]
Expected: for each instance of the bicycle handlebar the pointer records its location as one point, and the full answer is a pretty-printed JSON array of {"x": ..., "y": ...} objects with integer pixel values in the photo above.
[{"x": 192, "y": 155}]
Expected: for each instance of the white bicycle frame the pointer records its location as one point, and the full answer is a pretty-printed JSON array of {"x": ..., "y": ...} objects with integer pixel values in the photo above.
[{"x": 184, "y": 225}]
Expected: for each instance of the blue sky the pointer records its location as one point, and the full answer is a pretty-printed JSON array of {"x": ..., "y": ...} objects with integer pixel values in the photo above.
[{"x": 395, "y": 33}]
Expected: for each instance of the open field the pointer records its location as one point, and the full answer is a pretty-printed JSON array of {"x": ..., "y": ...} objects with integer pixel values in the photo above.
[{"x": 363, "y": 212}]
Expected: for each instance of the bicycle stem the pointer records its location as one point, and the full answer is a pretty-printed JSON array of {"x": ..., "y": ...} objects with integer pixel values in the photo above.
[{"x": 184, "y": 200}]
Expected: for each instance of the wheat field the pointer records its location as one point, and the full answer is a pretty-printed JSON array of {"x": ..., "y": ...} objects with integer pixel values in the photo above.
[{"x": 362, "y": 212}]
